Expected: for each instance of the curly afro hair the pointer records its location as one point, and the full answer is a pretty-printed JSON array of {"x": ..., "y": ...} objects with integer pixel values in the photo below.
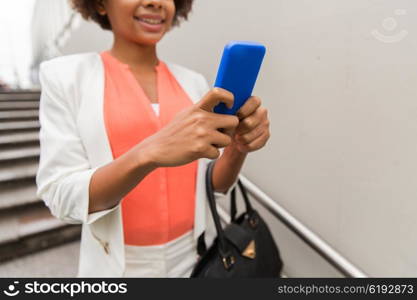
[{"x": 88, "y": 10}]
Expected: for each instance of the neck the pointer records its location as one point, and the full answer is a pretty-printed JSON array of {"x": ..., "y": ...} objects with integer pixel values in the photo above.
[{"x": 133, "y": 54}]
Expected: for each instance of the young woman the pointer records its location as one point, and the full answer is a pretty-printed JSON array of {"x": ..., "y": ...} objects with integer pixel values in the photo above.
[{"x": 125, "y": 141}]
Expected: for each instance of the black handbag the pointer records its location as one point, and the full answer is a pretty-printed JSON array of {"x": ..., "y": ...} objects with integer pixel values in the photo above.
[{"x": 245, "y": 248}]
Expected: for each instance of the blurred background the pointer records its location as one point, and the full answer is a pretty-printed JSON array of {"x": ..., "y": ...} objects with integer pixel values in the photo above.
[{"x": 337, "y": 181}]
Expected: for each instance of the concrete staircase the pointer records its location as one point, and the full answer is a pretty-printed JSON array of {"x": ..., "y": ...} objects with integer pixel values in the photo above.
[{"x": 26, "y": 225}]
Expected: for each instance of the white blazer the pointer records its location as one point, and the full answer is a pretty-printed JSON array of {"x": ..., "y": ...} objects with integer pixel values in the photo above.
[{"x": 74, "y": 144}]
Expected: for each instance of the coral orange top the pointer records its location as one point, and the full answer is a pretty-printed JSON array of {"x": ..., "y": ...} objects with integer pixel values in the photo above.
[{"x": 161, "y": 207}]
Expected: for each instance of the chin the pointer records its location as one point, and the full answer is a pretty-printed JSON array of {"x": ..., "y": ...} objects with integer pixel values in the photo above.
[{"x": 148, "y": 40}]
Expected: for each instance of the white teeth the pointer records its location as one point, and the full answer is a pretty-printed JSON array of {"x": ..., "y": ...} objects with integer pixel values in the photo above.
[{"x": 151, "y": 21}]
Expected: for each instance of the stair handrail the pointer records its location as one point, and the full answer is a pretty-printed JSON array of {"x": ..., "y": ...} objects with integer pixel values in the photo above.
[{"x": 318, "y": 244}]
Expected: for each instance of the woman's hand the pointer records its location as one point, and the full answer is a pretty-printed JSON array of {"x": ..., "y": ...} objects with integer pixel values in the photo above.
[
  {"x": 252, "y": 132},
  {"x": 192, "y": 134}
]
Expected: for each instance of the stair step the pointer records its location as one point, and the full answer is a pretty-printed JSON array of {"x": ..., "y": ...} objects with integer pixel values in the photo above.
[
  {"x": 13, "y": 105},
  {"x": 14, "y": 251},
  {"x": 25, "y": 221},
  {"x": 13, "y": 125},
  {"x": 60, "y": 261},
  {"x": 18, "y": 170},
  {"x": 19, "y": 114},
  {"x": 19, "y": 96},
  {"x": 19, "y": 137},
  {"x": 26, "y": 224},
  {"x": 18, "y": 194},
  {"x": 30, "y": 229},
  {"x": 21, "y": 91},
  {"x": 12, "y": 154}
]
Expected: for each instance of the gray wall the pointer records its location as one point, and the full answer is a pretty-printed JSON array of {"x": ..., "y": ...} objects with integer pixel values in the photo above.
[{"x": 339, "y": 82}]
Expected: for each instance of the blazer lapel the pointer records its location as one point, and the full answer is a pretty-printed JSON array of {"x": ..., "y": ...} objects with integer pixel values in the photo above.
[{"x": 91, "y": 119}]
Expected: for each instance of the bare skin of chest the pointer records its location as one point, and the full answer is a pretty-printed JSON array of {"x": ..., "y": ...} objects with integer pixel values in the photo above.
[{"x": 148, "y": 82}]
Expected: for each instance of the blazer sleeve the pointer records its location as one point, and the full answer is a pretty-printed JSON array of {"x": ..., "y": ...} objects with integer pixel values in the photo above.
[
  {"x": 204, "y": 88},
  {"x": 64, "y": 171}
]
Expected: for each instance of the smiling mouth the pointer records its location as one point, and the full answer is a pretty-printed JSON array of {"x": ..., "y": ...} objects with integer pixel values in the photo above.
[{"x": 150, "y": 21}]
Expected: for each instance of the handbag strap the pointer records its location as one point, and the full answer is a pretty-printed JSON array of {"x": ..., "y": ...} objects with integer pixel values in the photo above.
[
  {"x": 201, "y": 244},
  {"x": 212, "y": 204},
  {"x": 233, "y": 206}
]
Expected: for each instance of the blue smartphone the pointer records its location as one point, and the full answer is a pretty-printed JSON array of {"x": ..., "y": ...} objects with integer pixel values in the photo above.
[{"x": 238, "y": 71}]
